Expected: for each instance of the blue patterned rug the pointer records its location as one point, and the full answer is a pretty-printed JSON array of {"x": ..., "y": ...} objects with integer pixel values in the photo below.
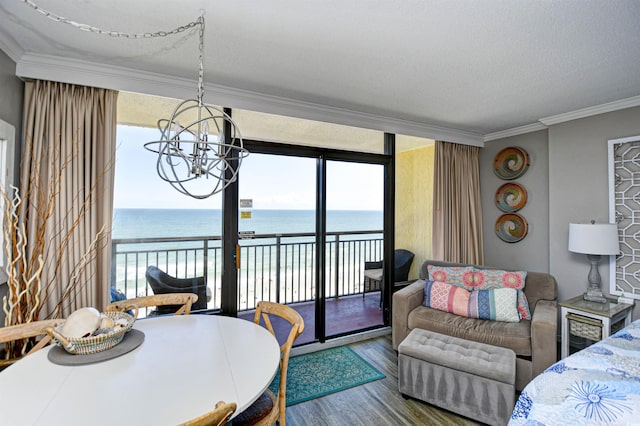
[{"x": 324, "y": 372}]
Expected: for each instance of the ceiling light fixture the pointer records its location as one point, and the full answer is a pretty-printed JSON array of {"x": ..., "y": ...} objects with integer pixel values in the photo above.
[{"x": 198, "y": 140}]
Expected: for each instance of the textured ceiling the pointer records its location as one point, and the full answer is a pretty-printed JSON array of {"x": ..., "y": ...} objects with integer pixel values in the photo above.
[{"x": 476, "y": 66}]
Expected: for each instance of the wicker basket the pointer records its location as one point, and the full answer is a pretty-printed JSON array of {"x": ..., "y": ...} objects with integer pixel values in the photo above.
[
  {"x": 585, "y": 327},
  {"x": 93, "y": 344},
  {"x": 589, "y": 328}
]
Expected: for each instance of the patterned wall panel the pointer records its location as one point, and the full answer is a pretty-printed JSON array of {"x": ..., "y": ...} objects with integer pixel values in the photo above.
[{"x": 624, "y": 209}]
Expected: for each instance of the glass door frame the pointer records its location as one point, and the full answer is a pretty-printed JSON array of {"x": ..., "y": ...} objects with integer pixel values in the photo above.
[{"x": 230, "y": 211}]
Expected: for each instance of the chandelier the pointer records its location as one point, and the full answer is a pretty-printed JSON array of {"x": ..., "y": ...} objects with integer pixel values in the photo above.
[{"x": 198, "y": 140}]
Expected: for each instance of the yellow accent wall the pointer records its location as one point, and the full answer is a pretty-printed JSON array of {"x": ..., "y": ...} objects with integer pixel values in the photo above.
[{"x": 414, "y": 204}]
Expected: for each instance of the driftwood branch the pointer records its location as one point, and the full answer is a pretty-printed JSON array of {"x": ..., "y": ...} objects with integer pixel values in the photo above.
[{"x": 40, "y": 232}]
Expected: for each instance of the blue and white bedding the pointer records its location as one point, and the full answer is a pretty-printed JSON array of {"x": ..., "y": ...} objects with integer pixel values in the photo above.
[{"x": 599, "y": 385}]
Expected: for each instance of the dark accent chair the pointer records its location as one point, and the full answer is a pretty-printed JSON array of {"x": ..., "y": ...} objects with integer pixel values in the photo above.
[
  {"x": 162, "y": 283},
  {"x": 373, "y": 271},
  {"x": 117, "y": 296}
]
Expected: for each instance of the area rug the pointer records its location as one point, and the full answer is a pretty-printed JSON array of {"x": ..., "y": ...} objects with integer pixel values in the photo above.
[{"x": 324, "y": 372}]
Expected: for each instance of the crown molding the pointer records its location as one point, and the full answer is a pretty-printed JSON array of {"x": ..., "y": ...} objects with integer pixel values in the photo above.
[
  {"x": 594, "y": 110},
  {"x": 544, "y": 123},
  {"x": 10, "y": 47},
  {"x": 534, "y": 127},
  {"x": 126, "y": 79}
]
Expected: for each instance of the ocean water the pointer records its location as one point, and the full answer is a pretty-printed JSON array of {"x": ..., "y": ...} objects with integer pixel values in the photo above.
[
  {"x": 258, "y": 273},
  {"x": 152, "y": 223}
]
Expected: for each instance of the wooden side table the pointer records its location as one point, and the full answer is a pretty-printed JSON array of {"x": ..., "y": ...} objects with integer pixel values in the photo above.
[{"x": 592, "y": 320}]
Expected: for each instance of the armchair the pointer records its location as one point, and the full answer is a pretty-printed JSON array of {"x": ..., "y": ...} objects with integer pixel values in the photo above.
[
  {"x": 373, "y": 271},
  {"x": 162, "y": 283},
  {"x": 533, "y": 341}
]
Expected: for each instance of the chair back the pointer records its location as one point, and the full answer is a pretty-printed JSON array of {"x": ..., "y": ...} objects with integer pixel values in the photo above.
[
  {"x": 218, "y": 417},
  {"x": 265, "y": 310},
  {"x": 163, "y": 283},
  {"x": 25, "y": 331},
  {"x": 182, "y": 302},
  {"x": 402, "y": 264}
]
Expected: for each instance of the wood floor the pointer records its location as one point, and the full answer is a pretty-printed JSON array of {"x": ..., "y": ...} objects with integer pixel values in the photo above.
[{"x": 375, "y": 403}]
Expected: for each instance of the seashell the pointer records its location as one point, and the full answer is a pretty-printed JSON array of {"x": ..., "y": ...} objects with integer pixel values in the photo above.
[
  {"x": 107, "y": 322},
  {"x": 82, "y": 322},
  {"x": 121, "y": 322}
]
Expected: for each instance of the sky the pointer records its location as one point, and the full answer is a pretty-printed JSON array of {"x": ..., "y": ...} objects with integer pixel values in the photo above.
[{"x": 272, "y": 182}]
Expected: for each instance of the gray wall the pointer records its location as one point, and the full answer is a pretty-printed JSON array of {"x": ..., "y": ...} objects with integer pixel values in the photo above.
[
  {"x": 11, "y": 98},
  {"x": 532, "y": 252},
  {"x": 578, "y": 190},
  {"x": 570, "y": 159}
]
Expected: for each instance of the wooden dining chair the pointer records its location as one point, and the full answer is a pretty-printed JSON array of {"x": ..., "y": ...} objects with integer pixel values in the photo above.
[
  {"x": 181, "y": 301},
  {"x": 269, "y": 408},
  {"x": 218, "y": 417},
  {"x": 25, "y": 331}
]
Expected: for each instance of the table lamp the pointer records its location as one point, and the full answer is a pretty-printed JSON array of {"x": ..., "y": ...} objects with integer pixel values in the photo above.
[{"x": 594, "y": 240}]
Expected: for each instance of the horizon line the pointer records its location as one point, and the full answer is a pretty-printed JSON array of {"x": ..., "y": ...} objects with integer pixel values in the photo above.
[{"x": 195, "y": 208}]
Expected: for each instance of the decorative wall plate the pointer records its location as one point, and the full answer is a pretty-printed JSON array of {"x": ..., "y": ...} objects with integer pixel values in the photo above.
[
  {"x": 511, "y": 163},
  {"x": 511, "y": 197},
  {"x": 511, "y": 227}
]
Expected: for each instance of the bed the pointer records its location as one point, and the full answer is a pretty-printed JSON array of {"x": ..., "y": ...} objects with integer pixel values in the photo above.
[{"x": 598, "y": 385}]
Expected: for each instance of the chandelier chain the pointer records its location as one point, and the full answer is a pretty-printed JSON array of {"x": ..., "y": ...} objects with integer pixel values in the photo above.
[
  {"x": 213, "y": 153},
  {"x": 200, "y": 23},
  {"x": 96, "y": 30}
]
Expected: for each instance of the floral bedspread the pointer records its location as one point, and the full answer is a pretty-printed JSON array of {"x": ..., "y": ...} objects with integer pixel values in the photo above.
[{"x": 599, "y": 385}]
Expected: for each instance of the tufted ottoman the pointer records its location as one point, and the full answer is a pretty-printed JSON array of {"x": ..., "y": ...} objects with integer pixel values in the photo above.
[{"x": 473, "y": 379}]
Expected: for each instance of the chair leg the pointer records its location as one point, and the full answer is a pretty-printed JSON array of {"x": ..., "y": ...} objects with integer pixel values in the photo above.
[{"x": 364, "y": 287}]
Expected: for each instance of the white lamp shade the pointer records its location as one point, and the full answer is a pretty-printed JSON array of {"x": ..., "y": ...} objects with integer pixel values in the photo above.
[{"x": 594, "y": 238}]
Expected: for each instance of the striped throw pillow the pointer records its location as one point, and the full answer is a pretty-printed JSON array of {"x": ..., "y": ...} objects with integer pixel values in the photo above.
[{"x": 446, "y": 297}]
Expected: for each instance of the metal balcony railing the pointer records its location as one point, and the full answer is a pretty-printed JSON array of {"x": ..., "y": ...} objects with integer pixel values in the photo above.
[{"x": 275, "y": 267}]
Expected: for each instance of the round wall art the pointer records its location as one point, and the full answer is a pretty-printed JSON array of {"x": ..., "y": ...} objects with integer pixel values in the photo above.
[
  {"x": 511, "y": 197},
  {"x": 511, "y": 227},
  {"x": 511, "y": 163}
]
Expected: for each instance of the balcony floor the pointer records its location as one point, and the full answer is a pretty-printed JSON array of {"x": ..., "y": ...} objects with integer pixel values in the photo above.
[{"x": 348, "y": 313}]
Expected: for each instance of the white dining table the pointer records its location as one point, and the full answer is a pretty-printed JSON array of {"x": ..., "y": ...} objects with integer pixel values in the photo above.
[{"x": 185, "y": 365}]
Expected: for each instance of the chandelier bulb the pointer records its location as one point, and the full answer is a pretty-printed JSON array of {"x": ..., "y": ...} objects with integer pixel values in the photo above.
[{"x": 205, "y": 132}]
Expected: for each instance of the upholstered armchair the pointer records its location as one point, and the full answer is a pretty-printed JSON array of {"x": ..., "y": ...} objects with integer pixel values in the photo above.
[{"x": 533, "y": 340}]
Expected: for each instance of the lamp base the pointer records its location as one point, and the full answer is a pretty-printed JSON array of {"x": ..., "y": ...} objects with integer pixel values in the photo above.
[
  {"x": 594, "y": 296},
  {"x": 594, "y": 293}
]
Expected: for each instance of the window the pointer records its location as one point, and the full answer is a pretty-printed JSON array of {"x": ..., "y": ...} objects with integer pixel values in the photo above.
[{"x": 7, "y": 135}]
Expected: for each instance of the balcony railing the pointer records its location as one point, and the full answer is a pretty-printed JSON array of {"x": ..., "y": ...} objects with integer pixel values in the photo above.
[{"x": 275, "y": 267}]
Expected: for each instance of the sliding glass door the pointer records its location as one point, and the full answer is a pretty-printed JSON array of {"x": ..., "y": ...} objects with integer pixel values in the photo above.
[
  {"x": 354, "y": 238},
  {"x": 308, "y": 228},
  {"x": 277, "y": 243}
]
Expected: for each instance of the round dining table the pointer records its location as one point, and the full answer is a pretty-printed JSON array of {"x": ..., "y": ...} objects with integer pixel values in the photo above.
[{"x": 185, "y": 365}]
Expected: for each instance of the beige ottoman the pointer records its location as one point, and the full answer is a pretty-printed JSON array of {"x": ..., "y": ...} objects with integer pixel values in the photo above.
[{"x": 473, "y": 379}]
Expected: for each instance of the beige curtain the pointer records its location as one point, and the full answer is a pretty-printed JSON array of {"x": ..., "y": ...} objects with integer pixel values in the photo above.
[
  {"x": 457, "y": 216},
  {"x": 67, "y": 183}
]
